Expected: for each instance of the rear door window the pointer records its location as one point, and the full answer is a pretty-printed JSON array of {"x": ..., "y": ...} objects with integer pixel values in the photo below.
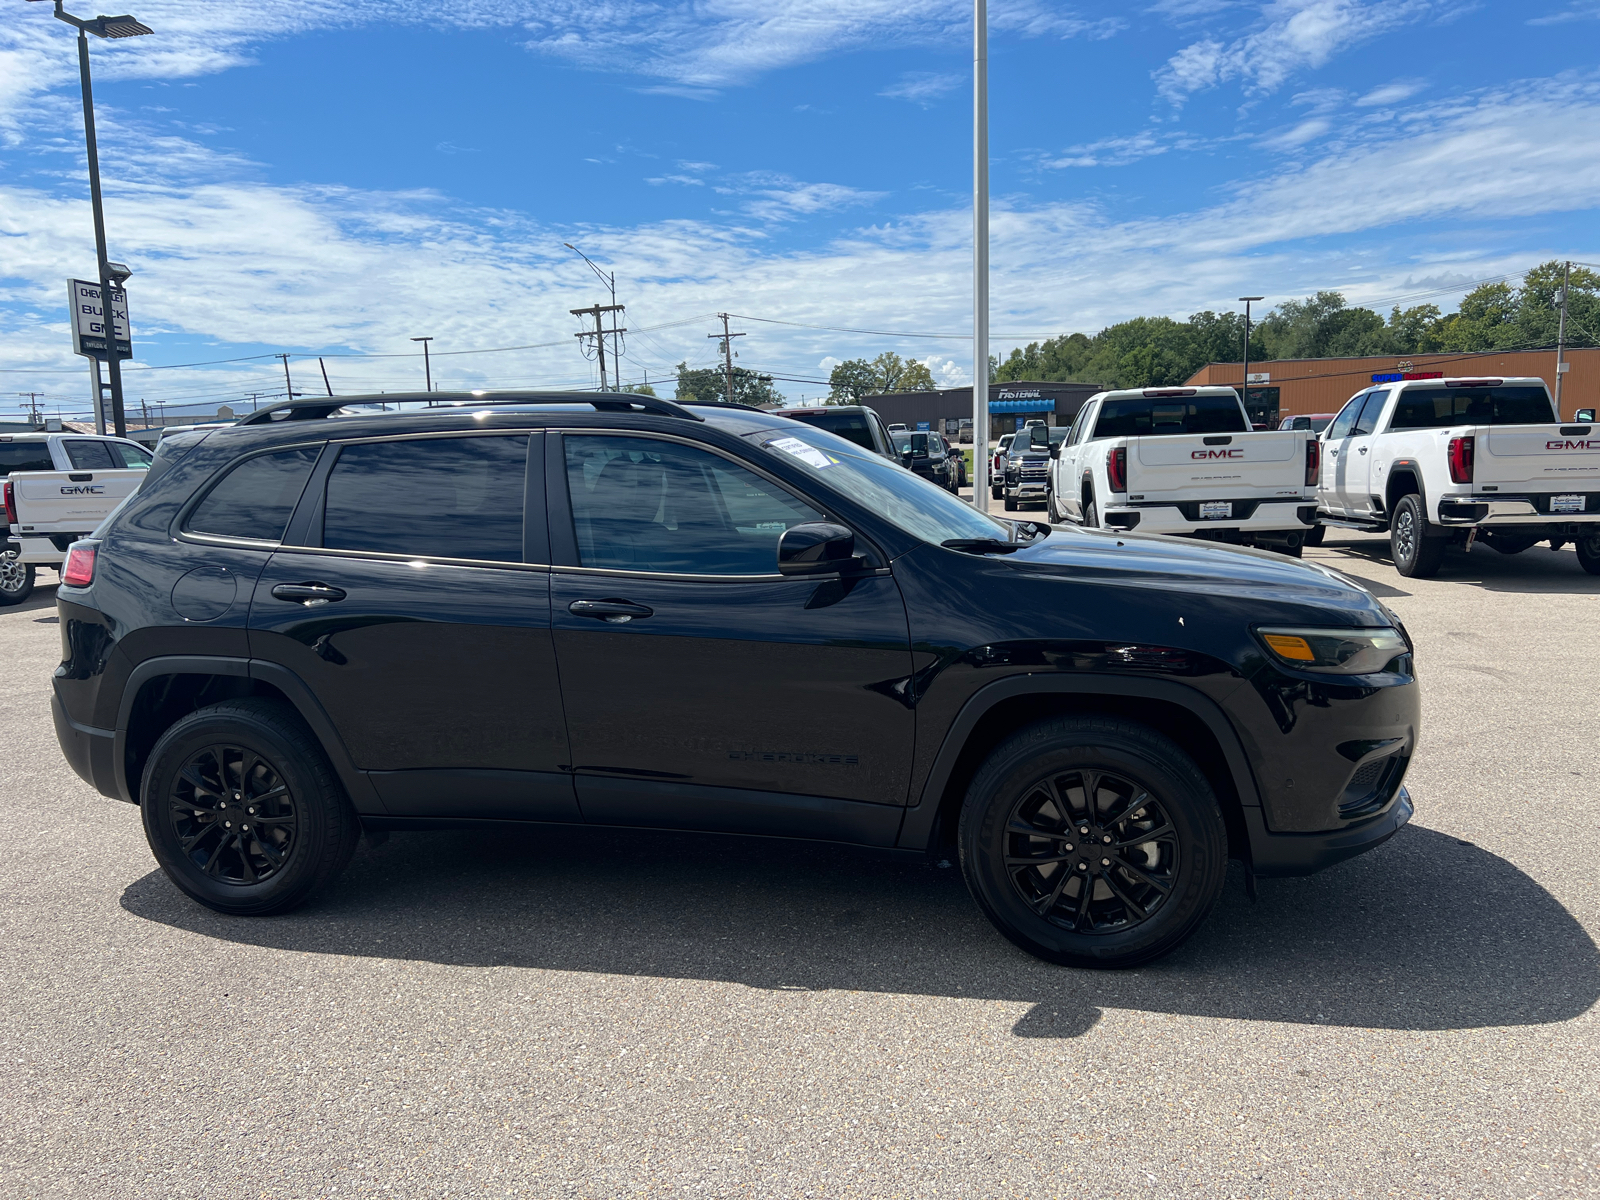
[
  {"x": 87, "y": 455},
  {"x": 24, "y": 456},
  {"x": 1442, "y": 407},
  {"x": 460, "y": 497},
  {"x": 130, "y": 455},
  {"x": 255, "y": 499}
]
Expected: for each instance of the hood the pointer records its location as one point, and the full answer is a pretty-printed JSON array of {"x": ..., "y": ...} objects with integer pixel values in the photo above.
[{"x": 1259, "y": 585}]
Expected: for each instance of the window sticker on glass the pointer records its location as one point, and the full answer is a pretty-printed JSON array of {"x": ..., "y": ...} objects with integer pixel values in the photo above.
[{"x": 809, "y": 455}]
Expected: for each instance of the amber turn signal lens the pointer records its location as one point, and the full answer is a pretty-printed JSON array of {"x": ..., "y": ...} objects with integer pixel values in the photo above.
[{"x": 1295, "y": 648}]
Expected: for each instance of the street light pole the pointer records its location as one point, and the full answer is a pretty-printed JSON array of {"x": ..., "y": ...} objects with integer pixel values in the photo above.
[
  {"x": 1244, "y": 389},
  {"x": 980, "y": 255},
  {"x": 427, "y": 363},
  {"x": 105, "y": 27}
]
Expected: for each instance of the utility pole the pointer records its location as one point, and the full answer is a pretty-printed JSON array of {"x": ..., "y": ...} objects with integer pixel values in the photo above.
[
  {"x": 1244, "y": 388},
  {"x": 33, "y": 404},
  {"x": 1561, "y": 338},
  {"x": 288, "y": 387},
  {"x": 727, "y": 352},
  {"x": 599, "y": 332},
  {"x": 427, "y": 365}
]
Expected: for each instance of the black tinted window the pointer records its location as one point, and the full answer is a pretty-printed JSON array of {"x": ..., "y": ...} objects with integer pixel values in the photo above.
[
  {"x": 130, "y": 456},
  {"x": 442, "y": 497},
  {"x": 1367, "y": 421},
  {"x": 24, "y": 456},
  {"x": 644, "y": 505},
  {"x": 1150, "y": 416},
  {"x": 1346, "y": 419},
  {"x": 851, "y": 426},
  {"x": 90, "y": 456},
  {"x": 256, "y": 498},
  {"x": 1439, "y": 407}
]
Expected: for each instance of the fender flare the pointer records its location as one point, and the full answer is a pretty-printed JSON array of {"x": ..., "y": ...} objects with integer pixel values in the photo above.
[
  {"x": 916, "y": 830},
  {"x": 1414, "y": 467},
  {"x": 362, "y": 794}
]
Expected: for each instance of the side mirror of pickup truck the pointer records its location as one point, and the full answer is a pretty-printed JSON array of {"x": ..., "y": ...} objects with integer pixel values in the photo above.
[
  {"x": 1584, "y": 414},
  {"x": 905, "y": 458},
  {"x": 1055, "y": 451}
]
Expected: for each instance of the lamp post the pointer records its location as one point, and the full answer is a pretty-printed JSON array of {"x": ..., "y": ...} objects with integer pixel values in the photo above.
[
  {"x": 427, "y": 363},
  {"x": 102, "y": 27},
  {"x": 980, "y": 255},
  {"x": 1244, "y": 390}
]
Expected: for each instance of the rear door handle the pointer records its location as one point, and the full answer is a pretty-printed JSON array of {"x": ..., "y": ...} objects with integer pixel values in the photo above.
[
  {"x": 617, "y": 612},
  {"x": 309, "y": 594},
  {"x": 1363, "y": 449}
]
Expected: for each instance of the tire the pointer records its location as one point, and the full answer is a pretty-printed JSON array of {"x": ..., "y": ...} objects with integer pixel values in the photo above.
[
  {"x": 1144, "y": 898},
  {"x": 1588, "y": 549},
  {"x": 1056, "y": 516},
  {"x": 1011, "y": 502},
  {"x": 996, "y": 491},
  {"x": 1291, "y": 551},
  {"x": 1315, "y": 534},
  {"x": 1091, "y": 515},
  {"x": 265, "y": 746},
  {"x": 1507, "y": 543},
  {"x": 1416, "y": 556},
  {"x": 16, "y": 579}
]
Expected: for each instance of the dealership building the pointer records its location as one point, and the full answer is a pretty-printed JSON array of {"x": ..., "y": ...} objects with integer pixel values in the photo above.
[
  {"x": 1296, "y": 386},
  {"x": 1011, "y": 406}
]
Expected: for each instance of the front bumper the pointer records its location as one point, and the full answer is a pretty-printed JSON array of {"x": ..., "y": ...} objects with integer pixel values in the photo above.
[{"x": 1277, "y": 855}]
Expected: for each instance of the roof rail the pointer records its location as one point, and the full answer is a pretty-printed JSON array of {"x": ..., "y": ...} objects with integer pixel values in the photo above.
[{"x": 314, "y": 408}]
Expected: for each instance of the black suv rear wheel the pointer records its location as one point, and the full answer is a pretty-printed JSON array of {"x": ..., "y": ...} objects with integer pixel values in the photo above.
[
  {"x": 243, "y": 810},
  {"x": 1093, "y": 842}
]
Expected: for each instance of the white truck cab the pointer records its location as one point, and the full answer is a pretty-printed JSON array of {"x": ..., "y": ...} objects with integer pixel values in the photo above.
[
  {"x": 57, "y": 487},
  {"x": 1185, "y": 461},
  {"x": 1441, "y": 461}
]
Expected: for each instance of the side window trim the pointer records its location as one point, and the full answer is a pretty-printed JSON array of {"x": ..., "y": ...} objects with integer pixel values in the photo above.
[
  {"x": 305, "y": 525},
  {"x": 564, "y": 534}
]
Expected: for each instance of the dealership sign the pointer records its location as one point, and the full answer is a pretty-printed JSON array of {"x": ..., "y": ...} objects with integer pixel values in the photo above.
[{"x": 89, "y": 333}]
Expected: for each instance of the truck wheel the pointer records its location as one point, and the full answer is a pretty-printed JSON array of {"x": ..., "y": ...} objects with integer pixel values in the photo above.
[
  {"x": 1093, "y": 842},
  {"x": 16, "y": 579},
  {"x": 1588, "y": 549},
  {"x": 1091, "y": 515},
  {"x": 1315, "y": 534},
  {"x": 243, "y": 810},
  {"x": 1011, "y": 502},
  {"x": 1056, "y": 517},
  {"x": 1416, "y": 555}
]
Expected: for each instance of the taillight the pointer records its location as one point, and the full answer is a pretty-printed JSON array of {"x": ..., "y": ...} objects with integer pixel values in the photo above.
[
  {"x": 1461, "y": 460},
  {"x": 11, "y": 503},
  {"x": 1117, "y": 468},
  {"x": 1313, "y": 461},
  {"x": 78, "y": 570}
]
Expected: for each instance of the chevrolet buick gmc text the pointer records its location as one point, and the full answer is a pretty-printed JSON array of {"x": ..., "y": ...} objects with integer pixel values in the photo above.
[{"x": 628, "y": 611}]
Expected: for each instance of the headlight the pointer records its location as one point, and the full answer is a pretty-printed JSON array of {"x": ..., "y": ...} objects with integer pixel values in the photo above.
[{"x": 1336, "y": 651}]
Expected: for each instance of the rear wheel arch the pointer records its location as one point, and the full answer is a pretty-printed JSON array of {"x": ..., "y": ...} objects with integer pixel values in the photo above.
[
  {"x": 1190, "y": 719},
  {"x": 1405, "y": 479}
]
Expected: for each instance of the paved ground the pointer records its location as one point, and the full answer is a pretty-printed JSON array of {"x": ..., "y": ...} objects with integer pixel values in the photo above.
[{"x": 588, "y": 1014}]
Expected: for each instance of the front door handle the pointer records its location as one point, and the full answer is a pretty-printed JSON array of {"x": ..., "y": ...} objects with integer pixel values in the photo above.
[
  {"x": 617, "y": 612},
  {"x": 1363, "y": 449},
  {"x": 311, "y": 595}
]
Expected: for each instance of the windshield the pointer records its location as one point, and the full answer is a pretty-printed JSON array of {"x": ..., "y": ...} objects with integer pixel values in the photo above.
[
  {"x": 851, "y": 426},
  {"x": 1439, "y": 408},
  {"x": 1141, "y": 415},
  {"x": 921, "y": 508}
]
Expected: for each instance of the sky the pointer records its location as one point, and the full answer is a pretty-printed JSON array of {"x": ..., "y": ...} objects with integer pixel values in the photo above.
[{"x": 332, "y": 179}]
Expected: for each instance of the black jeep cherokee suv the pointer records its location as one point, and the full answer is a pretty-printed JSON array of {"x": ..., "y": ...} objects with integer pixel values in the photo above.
[{"x": 627, "y": 611}]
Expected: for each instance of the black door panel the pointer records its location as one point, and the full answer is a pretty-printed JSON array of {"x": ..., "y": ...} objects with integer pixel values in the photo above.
[{"x": 612, "y": 801}]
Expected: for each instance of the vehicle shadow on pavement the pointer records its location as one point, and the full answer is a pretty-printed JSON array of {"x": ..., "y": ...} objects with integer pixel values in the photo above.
[
  {"x": 1426, "y": 932},
  {"x": 1536, "y": 570},
  {"x": 42, "y": 599}
]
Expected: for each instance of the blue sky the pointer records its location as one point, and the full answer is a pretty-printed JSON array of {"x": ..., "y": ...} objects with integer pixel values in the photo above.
[{"x": 333, "y": 179}]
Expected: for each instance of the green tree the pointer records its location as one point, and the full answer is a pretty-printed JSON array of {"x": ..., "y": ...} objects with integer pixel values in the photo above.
[
  {"x": 856, "y": 378},
  {"x": 710, "y": 384},
  {"x": 638, "y": 389}
]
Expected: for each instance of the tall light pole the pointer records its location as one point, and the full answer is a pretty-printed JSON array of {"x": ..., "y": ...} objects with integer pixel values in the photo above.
[
  {"x": 609, "y": 278},
  {"x": 1244, "y": 390},
  {"x": 102, "y": 27},
  {"x": 980, "y": 255},
  {"x": 427, "y": 363}
]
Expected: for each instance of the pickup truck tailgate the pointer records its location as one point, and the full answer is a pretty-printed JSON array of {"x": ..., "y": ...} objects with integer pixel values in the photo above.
[
  {"x": 1538, "y": 459},
  {"x": 1193, "y": 466},
  {"x": 69, "y": 501}
]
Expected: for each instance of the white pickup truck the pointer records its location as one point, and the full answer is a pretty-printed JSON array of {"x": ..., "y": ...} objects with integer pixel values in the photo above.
[
  {"x": 1185, "y": 461},
  {"x": 57, "y": 488},
  {"x": 1441, "y": 461}
]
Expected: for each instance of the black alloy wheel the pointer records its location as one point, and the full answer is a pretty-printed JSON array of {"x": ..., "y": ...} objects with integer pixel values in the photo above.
[
  {"x": 243, "y": 810},
  {"x": 16, "y": 578},
  {"x": 1588, "y": 548},
  {"x": 1093, "y": 842},
  {"x": 1415, "y": 554}
]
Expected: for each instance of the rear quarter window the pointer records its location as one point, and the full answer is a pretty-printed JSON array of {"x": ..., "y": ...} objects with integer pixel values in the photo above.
[{"x": 255, "y": 498}]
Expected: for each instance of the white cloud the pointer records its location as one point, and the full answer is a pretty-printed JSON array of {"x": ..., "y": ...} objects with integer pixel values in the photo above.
[
  {"x": 1298, "y": 135},
  {"x": 923, "y": 87},
  {"x": 1291, "y": 35},
  {"x": 1390, "y": 93},
  {"x": 1576, "y": 12},
  {"x": 1119, "y": 151},
  {"x": 774, "y": 197}
]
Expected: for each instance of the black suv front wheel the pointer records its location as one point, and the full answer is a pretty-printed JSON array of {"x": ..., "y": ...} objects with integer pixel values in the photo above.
[
  {"x": 1093, "y": 842},
  {"x": 243, "y": 810}
]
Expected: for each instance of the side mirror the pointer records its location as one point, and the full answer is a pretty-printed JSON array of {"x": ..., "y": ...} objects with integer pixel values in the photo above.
[
  {"x": 1055, "y": 451},
  {"x": 1584, "y": 414},
  {"x": 905, "y": 458},
  {"x": 816, "y": 548}
]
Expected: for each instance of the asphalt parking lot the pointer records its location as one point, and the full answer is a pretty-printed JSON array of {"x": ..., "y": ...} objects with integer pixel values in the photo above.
[{"x": 591, "y": 1013}]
